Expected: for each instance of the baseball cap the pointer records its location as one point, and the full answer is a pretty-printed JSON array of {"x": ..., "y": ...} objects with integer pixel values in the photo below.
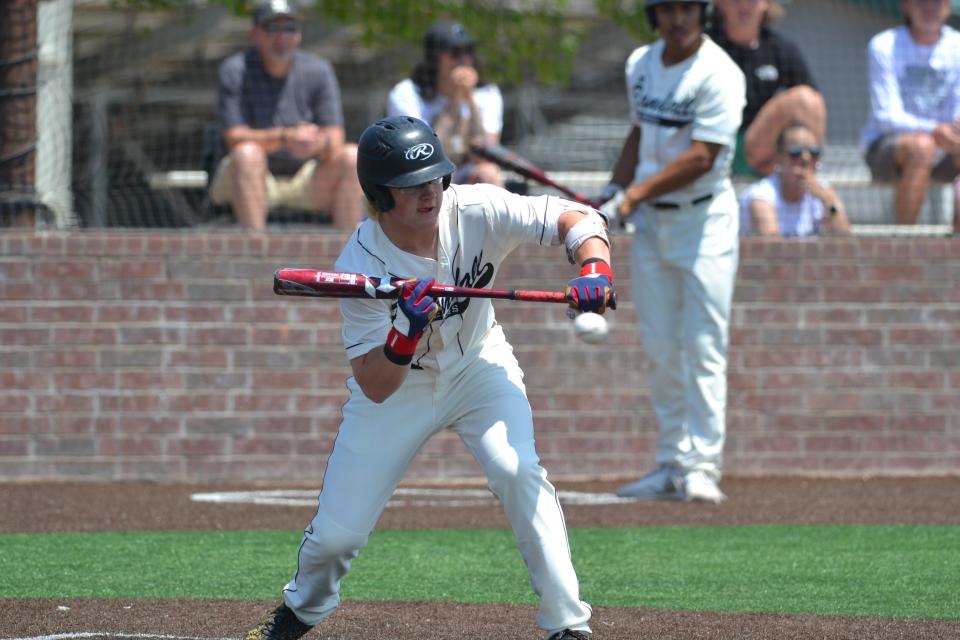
[
  {"x": 267, "y": 10},
  {"x": 445, "y": 35}
]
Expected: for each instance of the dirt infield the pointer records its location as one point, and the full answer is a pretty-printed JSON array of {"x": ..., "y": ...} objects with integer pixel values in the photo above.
[{"x": 41, "y": 507}]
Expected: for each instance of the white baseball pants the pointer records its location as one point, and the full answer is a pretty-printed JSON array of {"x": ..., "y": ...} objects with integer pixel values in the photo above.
[
  {"x": 487, "y": 406},
  {"x": 683, "y": 269}
]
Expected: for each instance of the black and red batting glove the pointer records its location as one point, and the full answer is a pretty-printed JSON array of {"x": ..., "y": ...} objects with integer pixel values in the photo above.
[
  {"x": 593, "y": 289},
  {"x": 415, "y": 310}
]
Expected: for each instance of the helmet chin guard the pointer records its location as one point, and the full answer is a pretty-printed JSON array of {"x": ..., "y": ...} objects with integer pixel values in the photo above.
[{"x": 399, "y": 151}]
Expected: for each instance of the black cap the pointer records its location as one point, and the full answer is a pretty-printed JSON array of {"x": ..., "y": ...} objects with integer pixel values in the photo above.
[
  {"x": 446, "y": 35},
  {"x": 267, "y": 10}
]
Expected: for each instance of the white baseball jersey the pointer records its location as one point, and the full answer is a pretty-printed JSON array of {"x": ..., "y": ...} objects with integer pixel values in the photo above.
[
  {"x": 465, "y": 379},
  {"x": 700, "y": 98},
  {"x": 479, "y": 226}
]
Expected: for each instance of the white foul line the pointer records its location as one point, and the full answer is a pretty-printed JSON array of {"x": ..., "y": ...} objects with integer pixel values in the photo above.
[{"x": 402, "y": 497}]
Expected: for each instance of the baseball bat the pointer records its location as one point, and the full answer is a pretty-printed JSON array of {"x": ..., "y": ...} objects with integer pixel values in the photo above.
[
  {"x": 332, "y": 284},
  {"x": 509, "y": 160}
]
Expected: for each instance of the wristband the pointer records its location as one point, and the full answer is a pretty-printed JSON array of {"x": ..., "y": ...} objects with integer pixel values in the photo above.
[
  {"x": 399, "y": 349},
  {"x": 596, "y": 266}
]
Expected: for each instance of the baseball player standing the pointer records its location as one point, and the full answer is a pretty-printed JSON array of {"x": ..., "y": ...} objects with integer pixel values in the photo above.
[
  {"x": 672, "y": 182},
  {"x": 422, "y": 365}
]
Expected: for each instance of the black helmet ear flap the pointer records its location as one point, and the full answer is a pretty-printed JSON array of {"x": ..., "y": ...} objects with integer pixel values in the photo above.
[{"x": 379, "y": 197}]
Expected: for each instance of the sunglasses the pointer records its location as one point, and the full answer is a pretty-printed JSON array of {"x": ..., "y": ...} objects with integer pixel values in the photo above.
[
  {"x": 280, "y": 27},
  {"x": 415, "y": 189},
  {"x": 461, "y": 52},
  {"x": 796, "y": 150}
]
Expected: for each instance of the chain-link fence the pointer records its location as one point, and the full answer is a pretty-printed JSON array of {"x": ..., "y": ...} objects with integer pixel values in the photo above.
[{"x": 108, "y": 111}]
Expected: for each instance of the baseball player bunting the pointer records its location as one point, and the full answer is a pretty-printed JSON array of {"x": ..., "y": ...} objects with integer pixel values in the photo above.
[{"x": 423, "y": 363}]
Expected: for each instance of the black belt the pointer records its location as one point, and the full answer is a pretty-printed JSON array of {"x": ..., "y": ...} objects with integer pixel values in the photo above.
[{"x": 677, "y": 205}]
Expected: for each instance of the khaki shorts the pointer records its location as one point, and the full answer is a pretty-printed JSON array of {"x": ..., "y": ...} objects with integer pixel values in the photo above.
[
  {"x": 883, "y": 167},
  {"x": 294, "y": 192}
]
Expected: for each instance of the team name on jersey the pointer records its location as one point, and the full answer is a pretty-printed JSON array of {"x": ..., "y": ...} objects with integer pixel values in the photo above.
[
  {"x": 667, "y": 111},
  {"x": 479, "y": 277}
]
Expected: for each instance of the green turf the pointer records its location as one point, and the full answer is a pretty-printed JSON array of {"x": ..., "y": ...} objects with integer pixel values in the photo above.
[{"x": 895, "y": 571}]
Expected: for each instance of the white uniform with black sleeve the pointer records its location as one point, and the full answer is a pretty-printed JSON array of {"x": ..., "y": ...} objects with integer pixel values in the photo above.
[
  {"x": 684, "y": 256},
  {"x": 464, "y": 377}
]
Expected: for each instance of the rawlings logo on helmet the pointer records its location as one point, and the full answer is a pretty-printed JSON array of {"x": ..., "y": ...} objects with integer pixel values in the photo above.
[{"x": 420, "y": 151}]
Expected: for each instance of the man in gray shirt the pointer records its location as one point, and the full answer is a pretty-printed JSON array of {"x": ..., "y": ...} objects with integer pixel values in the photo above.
[{"x": 282, "y": 123}]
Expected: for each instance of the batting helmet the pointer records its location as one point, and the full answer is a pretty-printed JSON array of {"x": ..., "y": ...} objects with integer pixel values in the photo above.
[
  {"x": 652, "y": 18},
  {"x": 399, "y": 151}
]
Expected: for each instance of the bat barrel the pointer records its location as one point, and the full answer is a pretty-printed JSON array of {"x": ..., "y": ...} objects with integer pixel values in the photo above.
[{"x": 327, "y": 284}]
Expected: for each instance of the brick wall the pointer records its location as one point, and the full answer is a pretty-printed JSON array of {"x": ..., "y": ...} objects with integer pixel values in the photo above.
[{"x": 166, "y": 356}]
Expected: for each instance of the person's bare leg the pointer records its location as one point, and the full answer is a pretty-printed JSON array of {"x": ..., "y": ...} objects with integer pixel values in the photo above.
[
  {"x": 798, "y": 104},
  {"x": 337, "y": 189},
  {"x": 248, "y": 164},
  {"x": 913, "y": 153}
]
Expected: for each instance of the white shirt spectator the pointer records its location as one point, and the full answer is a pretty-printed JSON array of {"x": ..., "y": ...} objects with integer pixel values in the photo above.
[
  {"x": 796, "y": 219},
  {"x": 912, "y": 86},
  {"x": 405, "y": 100}
]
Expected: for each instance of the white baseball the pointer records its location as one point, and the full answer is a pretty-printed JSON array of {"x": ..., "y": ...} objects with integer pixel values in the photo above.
[{"x": 591, "y": 327}]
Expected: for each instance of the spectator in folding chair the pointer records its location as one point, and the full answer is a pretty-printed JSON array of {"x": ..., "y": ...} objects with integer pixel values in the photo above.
[
  {"x": 913, "y": 131},
  {"x": 792, "y": 201},
  {"x": 780, "y": 88},
  {"x": 283, "y": 128},
  {"x": 447, "y": 90}
]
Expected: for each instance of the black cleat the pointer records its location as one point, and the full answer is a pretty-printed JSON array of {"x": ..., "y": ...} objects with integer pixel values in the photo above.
[{"x": 280, "y": 624}]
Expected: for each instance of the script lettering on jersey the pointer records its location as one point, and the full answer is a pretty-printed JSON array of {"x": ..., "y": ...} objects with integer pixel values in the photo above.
[
  {"x": 479, "y": 276},
  {"x": 666, "y": 110}
]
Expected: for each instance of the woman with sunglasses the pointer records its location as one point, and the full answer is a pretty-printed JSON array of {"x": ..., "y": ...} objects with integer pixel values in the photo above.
[
  {"x": 447, "y": 91},
  {"x": 792, "y": 201}
]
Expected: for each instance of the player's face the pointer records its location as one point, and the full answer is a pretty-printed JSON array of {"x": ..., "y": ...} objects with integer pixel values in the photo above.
[
  {"x": 679, "y": 26},
  {"x": 416, "y": 208},
  {"x": 277, "y": 39},
  {"x": 926, "y": 15}
]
